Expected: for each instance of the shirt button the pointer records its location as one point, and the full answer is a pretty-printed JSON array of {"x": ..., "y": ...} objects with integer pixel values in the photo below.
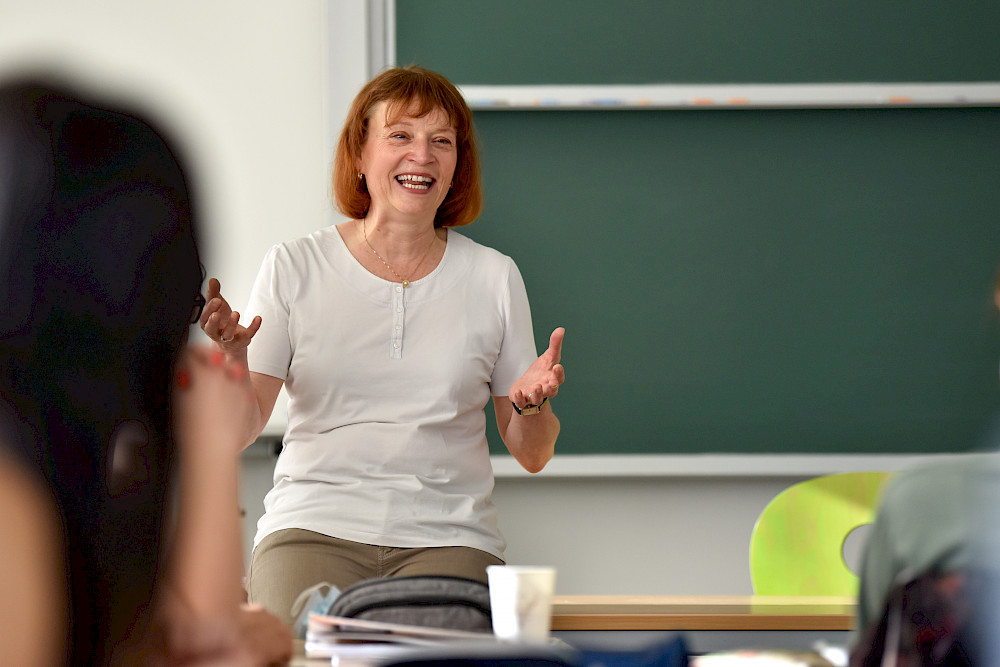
[
  {"x": 396, "y": 345},
  {"x": 398, "y": 327},
  {"x": 399, "y": 309},
  {"x": 398, "y": 288}
]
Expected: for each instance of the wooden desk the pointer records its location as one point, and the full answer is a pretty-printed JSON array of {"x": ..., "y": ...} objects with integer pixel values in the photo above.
[{"x": 702, "y": 612}]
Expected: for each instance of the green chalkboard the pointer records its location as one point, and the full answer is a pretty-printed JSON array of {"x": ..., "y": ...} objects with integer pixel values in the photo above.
[
  {"x": 757, "y": 281},
  {"x": 751, "y": 281},
  {"x": 518, "y": 42}
]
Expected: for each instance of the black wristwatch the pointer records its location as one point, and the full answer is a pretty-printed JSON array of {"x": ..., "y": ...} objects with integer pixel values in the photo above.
[{"x": 529, "y": 410}]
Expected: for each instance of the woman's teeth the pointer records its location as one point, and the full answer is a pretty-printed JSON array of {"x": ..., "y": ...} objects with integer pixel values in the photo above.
[{"x": 414, "y": 182}]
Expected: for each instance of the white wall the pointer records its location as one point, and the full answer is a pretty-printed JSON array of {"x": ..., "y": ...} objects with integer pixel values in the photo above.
[
  {"x": 657, "y": 525},
  {"x": 619, "y": 535}
]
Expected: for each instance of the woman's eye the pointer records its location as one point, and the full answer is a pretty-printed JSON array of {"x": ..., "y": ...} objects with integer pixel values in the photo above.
[{"x": 443, "y": 140}]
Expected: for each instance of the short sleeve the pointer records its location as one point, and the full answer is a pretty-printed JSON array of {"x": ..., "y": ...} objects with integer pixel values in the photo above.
[
  {"x": 270, "y": 351},
  {"x": 518, "y": 349}
]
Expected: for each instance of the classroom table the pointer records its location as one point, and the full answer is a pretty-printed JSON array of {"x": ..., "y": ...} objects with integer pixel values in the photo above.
[
  {"x": 708, "y": 622},
  {"x": 702, "y": 612}
]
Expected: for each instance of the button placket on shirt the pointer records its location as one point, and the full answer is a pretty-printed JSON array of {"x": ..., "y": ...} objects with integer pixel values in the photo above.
[{"x": 398, "y": 317}]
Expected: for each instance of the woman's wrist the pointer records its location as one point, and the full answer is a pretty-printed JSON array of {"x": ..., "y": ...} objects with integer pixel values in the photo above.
[{"x": 530, "y": 409}]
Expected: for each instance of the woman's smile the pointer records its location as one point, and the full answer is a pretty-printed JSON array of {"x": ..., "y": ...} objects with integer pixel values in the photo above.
[{"x": 415, "y": 182}]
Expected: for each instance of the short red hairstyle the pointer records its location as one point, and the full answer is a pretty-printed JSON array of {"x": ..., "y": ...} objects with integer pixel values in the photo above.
[{"x": 406, "y": 90}]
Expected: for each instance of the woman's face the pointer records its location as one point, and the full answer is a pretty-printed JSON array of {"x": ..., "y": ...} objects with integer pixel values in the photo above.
[{"x": 409, "y": 164}]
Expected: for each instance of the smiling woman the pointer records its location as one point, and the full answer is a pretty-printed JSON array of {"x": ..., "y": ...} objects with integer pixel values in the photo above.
[{"x": 392, "y": 332}]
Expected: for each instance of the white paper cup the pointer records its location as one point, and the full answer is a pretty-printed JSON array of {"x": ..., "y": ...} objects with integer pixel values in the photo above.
[{"x": 521, "y": 601}]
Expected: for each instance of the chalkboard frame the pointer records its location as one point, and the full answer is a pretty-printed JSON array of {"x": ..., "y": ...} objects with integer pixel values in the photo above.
[{"x": 733, "y": 96}]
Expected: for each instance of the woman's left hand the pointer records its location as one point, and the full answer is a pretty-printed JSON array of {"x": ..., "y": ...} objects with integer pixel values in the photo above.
[{"x": 543, "y": 377}]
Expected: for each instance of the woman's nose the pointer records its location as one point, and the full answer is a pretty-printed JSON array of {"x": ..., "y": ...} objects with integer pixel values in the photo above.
[{"x": 420, "y": 151}]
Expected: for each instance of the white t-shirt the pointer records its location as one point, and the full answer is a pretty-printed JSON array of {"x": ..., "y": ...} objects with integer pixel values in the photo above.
[{"x": 386, "y": 440}]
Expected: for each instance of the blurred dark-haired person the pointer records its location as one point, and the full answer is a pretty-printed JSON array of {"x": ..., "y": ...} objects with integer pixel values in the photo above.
[{"x": 119, "y": 532}]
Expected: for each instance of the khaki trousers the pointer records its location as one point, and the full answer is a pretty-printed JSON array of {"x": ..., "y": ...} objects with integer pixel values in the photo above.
[{"x": 287, "y": 562}]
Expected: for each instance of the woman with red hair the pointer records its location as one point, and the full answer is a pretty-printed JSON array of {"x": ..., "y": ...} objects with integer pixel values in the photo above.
[{"x": 391, "y": 332}]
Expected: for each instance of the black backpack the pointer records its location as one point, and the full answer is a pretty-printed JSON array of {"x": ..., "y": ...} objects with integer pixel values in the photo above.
[{"x": 453, "y": 603}]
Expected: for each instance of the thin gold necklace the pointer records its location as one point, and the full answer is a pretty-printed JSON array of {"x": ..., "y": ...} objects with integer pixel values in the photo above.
[{"x": 401, "y": 279}]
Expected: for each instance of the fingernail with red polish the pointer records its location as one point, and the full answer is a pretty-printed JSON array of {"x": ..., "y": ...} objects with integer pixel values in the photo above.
[
  {"x": 217, "y": 357},
  {"x": 183, "y": 379}
]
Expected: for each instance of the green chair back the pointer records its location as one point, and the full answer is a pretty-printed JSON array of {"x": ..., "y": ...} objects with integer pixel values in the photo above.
[{"x": 797, "y": 544}]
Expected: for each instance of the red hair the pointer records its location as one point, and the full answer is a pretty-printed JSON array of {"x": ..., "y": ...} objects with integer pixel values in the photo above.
[{"x": 419, "y": 91}]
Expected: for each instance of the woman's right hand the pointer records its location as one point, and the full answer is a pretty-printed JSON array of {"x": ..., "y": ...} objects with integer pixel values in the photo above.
[{"x": 222, "y": 324}]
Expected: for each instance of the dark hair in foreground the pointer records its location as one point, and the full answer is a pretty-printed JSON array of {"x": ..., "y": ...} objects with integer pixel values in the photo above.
[{"x": 99, "y": 271}]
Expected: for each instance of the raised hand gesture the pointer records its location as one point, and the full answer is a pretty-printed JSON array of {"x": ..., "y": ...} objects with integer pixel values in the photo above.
[
  {"x": 222, "y": 324},
  {"x": 543, "y": 377}
]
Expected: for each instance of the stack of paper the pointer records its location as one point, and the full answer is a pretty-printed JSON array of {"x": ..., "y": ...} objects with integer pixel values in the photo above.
[{"x": 356, "y": 640}]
